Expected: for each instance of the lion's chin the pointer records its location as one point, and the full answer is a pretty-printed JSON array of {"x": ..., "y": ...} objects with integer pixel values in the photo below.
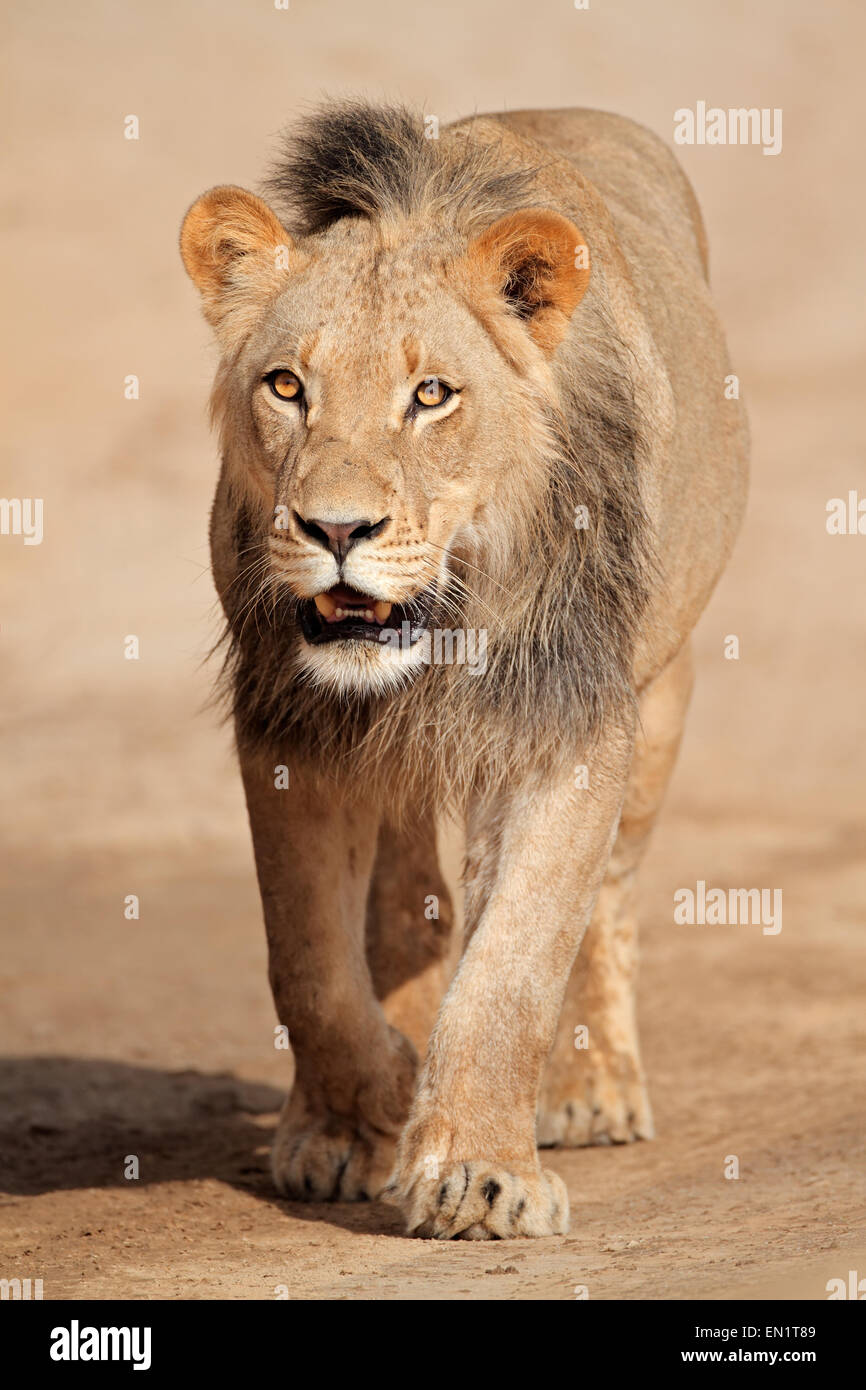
[{"x": 359, "y": 668}]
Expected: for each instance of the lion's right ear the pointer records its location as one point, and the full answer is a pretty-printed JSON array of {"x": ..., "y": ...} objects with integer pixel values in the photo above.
[{"x": 238, "y": 254}]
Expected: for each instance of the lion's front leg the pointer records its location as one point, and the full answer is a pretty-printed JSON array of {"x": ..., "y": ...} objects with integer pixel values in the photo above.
[
  {"x": 467, "y": 1162},
  {"x": 354, "y": 1074}
]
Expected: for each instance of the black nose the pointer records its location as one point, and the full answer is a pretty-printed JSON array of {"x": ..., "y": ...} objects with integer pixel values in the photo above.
[{"x": 340, "y": 536}]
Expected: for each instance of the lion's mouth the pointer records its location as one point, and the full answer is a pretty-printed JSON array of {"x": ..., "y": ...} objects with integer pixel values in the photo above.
[{"x": 344, "y": 614}]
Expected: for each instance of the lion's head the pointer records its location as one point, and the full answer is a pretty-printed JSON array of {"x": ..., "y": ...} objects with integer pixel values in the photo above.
[{"x": 399, "y": 441}]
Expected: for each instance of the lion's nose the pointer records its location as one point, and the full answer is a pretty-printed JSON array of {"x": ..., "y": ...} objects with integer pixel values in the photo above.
[{"x": 340, "y": 536}]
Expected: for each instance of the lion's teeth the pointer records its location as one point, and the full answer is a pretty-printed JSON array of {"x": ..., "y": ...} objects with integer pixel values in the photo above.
[
  {"x": 332, "y": 612},
  {"x": 325, "y": 605}
]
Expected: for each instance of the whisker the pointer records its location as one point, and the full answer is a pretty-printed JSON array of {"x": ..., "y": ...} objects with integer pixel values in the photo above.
[
  {"x": 460, "y": 561},
  {"x": 455, "y": 579}
]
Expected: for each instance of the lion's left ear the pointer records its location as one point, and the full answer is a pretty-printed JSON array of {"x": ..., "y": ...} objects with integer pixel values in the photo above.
[{"x": 539, "y": 263}]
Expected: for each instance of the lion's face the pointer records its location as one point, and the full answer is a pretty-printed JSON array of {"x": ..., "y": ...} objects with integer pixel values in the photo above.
[
  {"x": 382, "y": 412},
  {"x": 378, "y": 398}
]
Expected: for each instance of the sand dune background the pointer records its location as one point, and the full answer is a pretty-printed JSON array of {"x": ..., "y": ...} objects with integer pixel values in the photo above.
[{"x": 154, "y": 1037}]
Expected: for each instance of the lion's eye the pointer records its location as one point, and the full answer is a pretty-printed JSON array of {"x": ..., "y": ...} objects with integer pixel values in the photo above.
[
  {"x": 285, "y": 385},
  {"x": 432, "y": 392}
]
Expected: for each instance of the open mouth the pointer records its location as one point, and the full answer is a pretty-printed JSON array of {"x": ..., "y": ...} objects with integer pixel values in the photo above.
[{"x": 345, "y": 615}]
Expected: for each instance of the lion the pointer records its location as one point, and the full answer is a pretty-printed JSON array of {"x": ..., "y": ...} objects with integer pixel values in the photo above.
[{"x": 468, "y": 385}]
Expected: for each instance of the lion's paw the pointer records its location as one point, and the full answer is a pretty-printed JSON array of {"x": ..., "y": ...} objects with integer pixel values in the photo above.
[
  {"x": 330, "y": 1162},
  {"x": 482, "y": 1201},
  {"x": 606, "y": 1109}
]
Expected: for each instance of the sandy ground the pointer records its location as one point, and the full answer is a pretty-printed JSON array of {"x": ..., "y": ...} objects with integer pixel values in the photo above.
[{"x": 154, "y": 1037}]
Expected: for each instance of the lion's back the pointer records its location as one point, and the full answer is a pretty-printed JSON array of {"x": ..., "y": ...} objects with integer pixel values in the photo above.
[{"x": 636, "y": 173}]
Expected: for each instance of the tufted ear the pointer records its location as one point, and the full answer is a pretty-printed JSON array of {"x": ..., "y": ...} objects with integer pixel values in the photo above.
[
  {"x": 539, "y": 263},
  {"x": 238, "y": 255}
]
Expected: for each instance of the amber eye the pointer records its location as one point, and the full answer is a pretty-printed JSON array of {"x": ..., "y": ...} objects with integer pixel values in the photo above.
[
  {"x": 285, "y": 385},
  {"x": 432, "y": 391}
]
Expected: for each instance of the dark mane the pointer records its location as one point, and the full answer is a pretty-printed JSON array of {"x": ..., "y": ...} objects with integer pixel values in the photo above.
[
  {"x": 354, "y": 159},
  {"x": 565, "y": 612}
]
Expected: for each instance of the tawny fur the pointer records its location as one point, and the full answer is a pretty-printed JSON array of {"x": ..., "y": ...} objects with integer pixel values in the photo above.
[{"x": 556, "y": 263}]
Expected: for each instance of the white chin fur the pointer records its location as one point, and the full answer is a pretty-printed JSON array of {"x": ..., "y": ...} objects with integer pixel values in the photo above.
[{"x": 344, "y": 668}]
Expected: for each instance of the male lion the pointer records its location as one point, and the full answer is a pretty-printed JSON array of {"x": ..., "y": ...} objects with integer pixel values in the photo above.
[{"x": 469, "y": 385}]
